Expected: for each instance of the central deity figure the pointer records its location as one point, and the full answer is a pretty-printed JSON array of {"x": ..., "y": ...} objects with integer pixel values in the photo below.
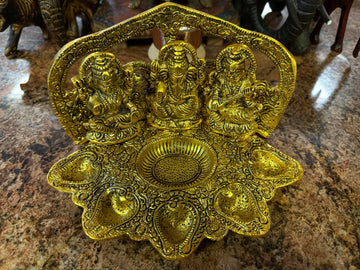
[{"x": 176, "y": 77}]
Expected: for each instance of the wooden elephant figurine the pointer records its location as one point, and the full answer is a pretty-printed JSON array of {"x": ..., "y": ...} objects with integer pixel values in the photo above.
[
  {"x": 293, "y": 33},
  {"x": 331, "y": 5}
]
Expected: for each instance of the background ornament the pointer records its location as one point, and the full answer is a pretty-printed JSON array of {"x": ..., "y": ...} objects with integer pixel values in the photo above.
[
  {"x": 196, "y": 165},
  {"x": 57, "y": 18}
]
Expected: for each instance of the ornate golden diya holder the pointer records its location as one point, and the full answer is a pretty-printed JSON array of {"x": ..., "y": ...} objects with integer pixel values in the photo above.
[{"x": 174, "y": 150}]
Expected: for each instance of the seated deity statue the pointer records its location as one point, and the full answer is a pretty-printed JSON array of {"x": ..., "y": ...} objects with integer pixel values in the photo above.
[
  {"x": 176, "y": 77},
  {"x": 231, "y": 96},
  {"x": 108, "y": 91}
]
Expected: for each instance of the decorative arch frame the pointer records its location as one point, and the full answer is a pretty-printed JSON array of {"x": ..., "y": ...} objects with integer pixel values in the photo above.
[{"x": 169, "y": 17}]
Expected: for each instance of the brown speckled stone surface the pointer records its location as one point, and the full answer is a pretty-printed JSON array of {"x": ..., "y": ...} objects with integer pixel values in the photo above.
[{"x": 315, "y": 222}]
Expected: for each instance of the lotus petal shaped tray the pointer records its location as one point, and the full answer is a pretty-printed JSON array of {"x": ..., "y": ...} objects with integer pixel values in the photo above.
[{"x": 173, "y": 149}]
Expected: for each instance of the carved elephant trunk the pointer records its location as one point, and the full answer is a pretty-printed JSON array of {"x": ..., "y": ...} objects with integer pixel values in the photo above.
[{"x": 53, "y": 14}]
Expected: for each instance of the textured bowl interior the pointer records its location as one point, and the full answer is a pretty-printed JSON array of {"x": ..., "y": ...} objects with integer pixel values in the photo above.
[{"x": 176, "y": 162}]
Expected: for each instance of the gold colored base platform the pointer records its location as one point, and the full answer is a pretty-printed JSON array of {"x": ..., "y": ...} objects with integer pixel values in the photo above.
[{"x": 175, "y": 189}]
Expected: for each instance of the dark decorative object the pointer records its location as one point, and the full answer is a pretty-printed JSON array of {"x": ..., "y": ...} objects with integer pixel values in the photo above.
[
  {"x": 294, "y": 32},
  {"x": 356, "y": 49},
  {"x": 55, "y": 17},
  {"x": 330, "y": 6}
]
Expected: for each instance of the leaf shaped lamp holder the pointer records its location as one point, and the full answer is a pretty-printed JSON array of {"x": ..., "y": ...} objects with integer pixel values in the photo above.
[{"x": 173, "y": 149}]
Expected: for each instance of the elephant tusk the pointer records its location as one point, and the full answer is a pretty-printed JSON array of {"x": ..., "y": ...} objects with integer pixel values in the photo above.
[{"x": 324, "y": 15}]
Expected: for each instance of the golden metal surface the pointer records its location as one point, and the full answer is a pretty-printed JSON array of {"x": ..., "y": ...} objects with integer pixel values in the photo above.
[{"x": 173, "y": 151}]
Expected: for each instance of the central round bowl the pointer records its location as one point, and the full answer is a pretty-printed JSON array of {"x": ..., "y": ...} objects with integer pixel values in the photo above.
[{"x": 176, "y": 162}]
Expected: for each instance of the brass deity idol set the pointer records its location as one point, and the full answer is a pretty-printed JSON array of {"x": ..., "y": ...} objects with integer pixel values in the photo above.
[{"x": 173, "y": 151}]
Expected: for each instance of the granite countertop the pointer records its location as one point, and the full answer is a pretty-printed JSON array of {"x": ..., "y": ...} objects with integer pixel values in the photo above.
[{"x": 315, "y": 222}]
